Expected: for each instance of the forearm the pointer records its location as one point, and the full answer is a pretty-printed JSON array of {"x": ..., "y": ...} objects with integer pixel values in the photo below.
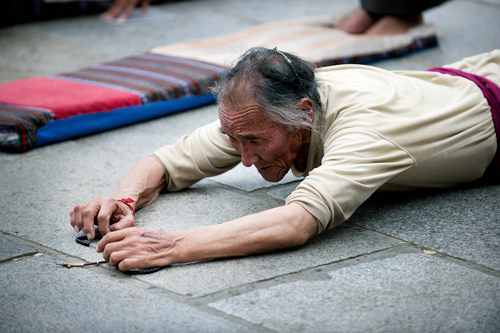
[
  {"x": 142, "y": 183},
  {"x": 271, "y": 230}
]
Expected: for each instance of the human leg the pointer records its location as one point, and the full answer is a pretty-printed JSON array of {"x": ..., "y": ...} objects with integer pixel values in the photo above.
[
  {"x": 383, "y": 17},
  {"x": 357, "y": 22}
]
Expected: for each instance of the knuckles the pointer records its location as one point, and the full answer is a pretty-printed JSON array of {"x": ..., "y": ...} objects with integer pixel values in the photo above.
[{"x": 113, "y": 260}]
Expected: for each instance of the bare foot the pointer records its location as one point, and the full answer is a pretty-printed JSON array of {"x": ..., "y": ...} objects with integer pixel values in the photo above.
[
  {"x": 357, "y": 22},
  {"x": 392, "y": 25}
]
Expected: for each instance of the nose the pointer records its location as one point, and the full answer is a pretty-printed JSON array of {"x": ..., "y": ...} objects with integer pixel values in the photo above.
[{"x": 249, "y": 157}]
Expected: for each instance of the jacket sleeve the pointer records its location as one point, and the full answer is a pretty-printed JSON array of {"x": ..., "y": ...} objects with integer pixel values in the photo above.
[
  {"x": 204, "y": 153},
  {"x": 355, "y": 164}
]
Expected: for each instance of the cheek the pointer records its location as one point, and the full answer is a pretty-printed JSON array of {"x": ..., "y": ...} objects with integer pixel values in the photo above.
[
  {"x": 273, "y": 153},
  {"x": 283, "y": 149}
]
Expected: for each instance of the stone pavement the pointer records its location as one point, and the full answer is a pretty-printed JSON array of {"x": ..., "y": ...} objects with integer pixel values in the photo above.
[{"x": 370, "y": 274}]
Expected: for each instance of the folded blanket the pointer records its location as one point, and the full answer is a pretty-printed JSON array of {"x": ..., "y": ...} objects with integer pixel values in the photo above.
[
  {"x": 310, "y": 38},
  {"x": 172, "y": 78}
]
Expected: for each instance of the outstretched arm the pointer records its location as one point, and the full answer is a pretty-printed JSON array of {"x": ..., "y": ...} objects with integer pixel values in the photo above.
[
  {"x": 142, "y": 183},
  {"x": 270, "y": 230}
]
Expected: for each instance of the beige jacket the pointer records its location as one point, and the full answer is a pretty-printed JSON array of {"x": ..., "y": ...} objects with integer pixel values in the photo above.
[{"x": 384, "y": 130}]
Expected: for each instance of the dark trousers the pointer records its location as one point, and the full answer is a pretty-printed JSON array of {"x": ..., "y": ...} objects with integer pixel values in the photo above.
[{"x": 398, "y": 7}]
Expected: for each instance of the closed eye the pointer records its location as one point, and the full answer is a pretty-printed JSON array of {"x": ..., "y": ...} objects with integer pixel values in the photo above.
[{"x": 230, "y": 137}]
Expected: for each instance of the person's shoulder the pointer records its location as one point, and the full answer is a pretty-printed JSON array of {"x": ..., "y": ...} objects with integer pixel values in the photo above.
[
  {"x": 349, "y": 67},
  {"x": 348, "y": 71}
]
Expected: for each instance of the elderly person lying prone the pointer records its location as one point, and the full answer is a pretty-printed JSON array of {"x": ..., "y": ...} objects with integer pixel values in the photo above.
[{"x": 350, "y": 130}]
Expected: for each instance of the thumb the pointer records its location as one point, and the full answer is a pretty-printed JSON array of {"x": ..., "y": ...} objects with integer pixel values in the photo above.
[{"x": 124, "y": 222}]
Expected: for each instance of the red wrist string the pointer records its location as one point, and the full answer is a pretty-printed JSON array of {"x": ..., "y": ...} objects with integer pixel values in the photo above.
[{"x": 128, "y": 201}]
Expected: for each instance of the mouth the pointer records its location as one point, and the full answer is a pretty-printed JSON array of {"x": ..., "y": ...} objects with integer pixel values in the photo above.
[{"x": 264, "y": 170}]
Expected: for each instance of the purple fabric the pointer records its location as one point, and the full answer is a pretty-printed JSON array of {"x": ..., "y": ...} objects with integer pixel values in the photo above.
[{"x": 492, "y": 94}]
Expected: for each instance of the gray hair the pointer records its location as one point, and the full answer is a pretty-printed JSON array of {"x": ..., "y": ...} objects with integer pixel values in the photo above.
[{"x": 279, "y": 80}]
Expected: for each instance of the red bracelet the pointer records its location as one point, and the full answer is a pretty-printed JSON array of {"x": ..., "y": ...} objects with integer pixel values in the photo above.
[{"x": 128, "y": 201}]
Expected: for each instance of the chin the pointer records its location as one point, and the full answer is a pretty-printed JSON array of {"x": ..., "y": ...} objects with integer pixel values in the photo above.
[{"x": 274, "y": 178}]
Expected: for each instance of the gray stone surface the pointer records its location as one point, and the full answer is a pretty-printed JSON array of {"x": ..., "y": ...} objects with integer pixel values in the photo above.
[
  {"x": 249, "y": 179},
  {"x": 365, "y": 292},
  {"x": 204, "y": 278},
  {"x": 284, "y": 191},
  {"x": 46, "y": 48},
  {"x": 9, "y": 249},
  {"x": 462, "y": 223},
  {"x": 407, "y": 293},
  {"x": 38, "y": 296},
  {"x": 42, "y": 188},
  {"x": 204, "y": 203},
  {"x": 145, "y": 138}
]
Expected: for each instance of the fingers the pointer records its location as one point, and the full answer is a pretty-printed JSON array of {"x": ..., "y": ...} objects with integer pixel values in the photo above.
[
  {"x": 111, "y": 238},
  {"x": 125, "y": 222},
  {"x": 88, "y": 216},
  {"x": 145, "y": 8},
  {"x": 121, "y": 10},
  {"x": 137, "y": 248},
  {"x": 132, "y": 263},
  {"x": 76, "y": 216},
  {"x": 127, "y": 11},
  {"x": 103, "y": 210},
  {"x": 111, "y": 210}
]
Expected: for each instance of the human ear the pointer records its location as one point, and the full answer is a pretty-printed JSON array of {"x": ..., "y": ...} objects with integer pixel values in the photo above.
[{"x": 306, "y": 107}]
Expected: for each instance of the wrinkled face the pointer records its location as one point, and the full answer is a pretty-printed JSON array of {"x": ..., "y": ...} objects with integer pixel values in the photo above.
[{"x": 262, "y": 142}]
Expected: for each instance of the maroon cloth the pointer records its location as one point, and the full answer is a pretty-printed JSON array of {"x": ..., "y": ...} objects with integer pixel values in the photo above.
[{"x": 492, "y": 94}]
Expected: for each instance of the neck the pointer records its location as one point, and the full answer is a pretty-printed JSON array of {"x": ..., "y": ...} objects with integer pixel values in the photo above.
[{"x": 303, "y": 153}]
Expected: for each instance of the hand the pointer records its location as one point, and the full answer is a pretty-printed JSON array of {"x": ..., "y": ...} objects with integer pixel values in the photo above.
[
  {"x": 121, "y": 9},
  {"x": 137, "y": 248},
  {"x": 110, "y": 213}
]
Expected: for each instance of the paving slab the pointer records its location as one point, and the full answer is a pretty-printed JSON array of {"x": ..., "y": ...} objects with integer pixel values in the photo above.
[
  {"x": 283, "y": 192},
  {"x": 203, "y": 278},
  {"x": 23, "y": 54},
  {"x": 9, "y": 249},
  {"x": 38, "y": 296},
  {"x": 249, "y": 179},
  {"x": 403, "y": 293},
  {"x": 406, "y": 293},
  {"x": 462, "y": 222},
  {"x": 41, "y": 189},
  {"x": 145, "y": 138},
  {"x": 203, "y": 204},
  {"x": 89, "y": 40}
]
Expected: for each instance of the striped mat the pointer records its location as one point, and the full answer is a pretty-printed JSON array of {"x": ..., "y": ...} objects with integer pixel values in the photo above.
[
  {"x": 152, "y": 77},
  {"x": 18, "y": 125},
  {"x": 26, "y": 105}
]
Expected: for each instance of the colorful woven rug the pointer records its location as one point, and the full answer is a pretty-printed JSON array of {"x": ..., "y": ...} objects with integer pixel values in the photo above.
[
  {"x": 97, "y": 98},
  {"x": 173, "y": 78}
]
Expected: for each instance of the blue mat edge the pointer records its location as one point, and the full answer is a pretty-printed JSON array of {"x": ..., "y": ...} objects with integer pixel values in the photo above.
[{"x": 82, "y": 125}]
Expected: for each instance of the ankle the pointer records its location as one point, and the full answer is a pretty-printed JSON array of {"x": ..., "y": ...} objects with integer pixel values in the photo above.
[{"x": 393, "y": 25}]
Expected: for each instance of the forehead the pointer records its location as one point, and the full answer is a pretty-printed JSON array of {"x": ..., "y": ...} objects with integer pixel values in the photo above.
[{"x": 242, "y": 108}]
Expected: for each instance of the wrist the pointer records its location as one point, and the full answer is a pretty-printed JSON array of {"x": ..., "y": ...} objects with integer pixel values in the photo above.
[{"x": 128, "y": 202}]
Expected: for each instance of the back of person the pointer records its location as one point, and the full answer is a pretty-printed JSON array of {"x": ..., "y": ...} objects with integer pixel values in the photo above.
[{"x": 442, "y": 122}]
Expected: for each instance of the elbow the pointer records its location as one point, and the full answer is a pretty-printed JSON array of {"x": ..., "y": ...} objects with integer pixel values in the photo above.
[
  {"x": 302, "y": 236},
  {"x": 303, "y": 225}
]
